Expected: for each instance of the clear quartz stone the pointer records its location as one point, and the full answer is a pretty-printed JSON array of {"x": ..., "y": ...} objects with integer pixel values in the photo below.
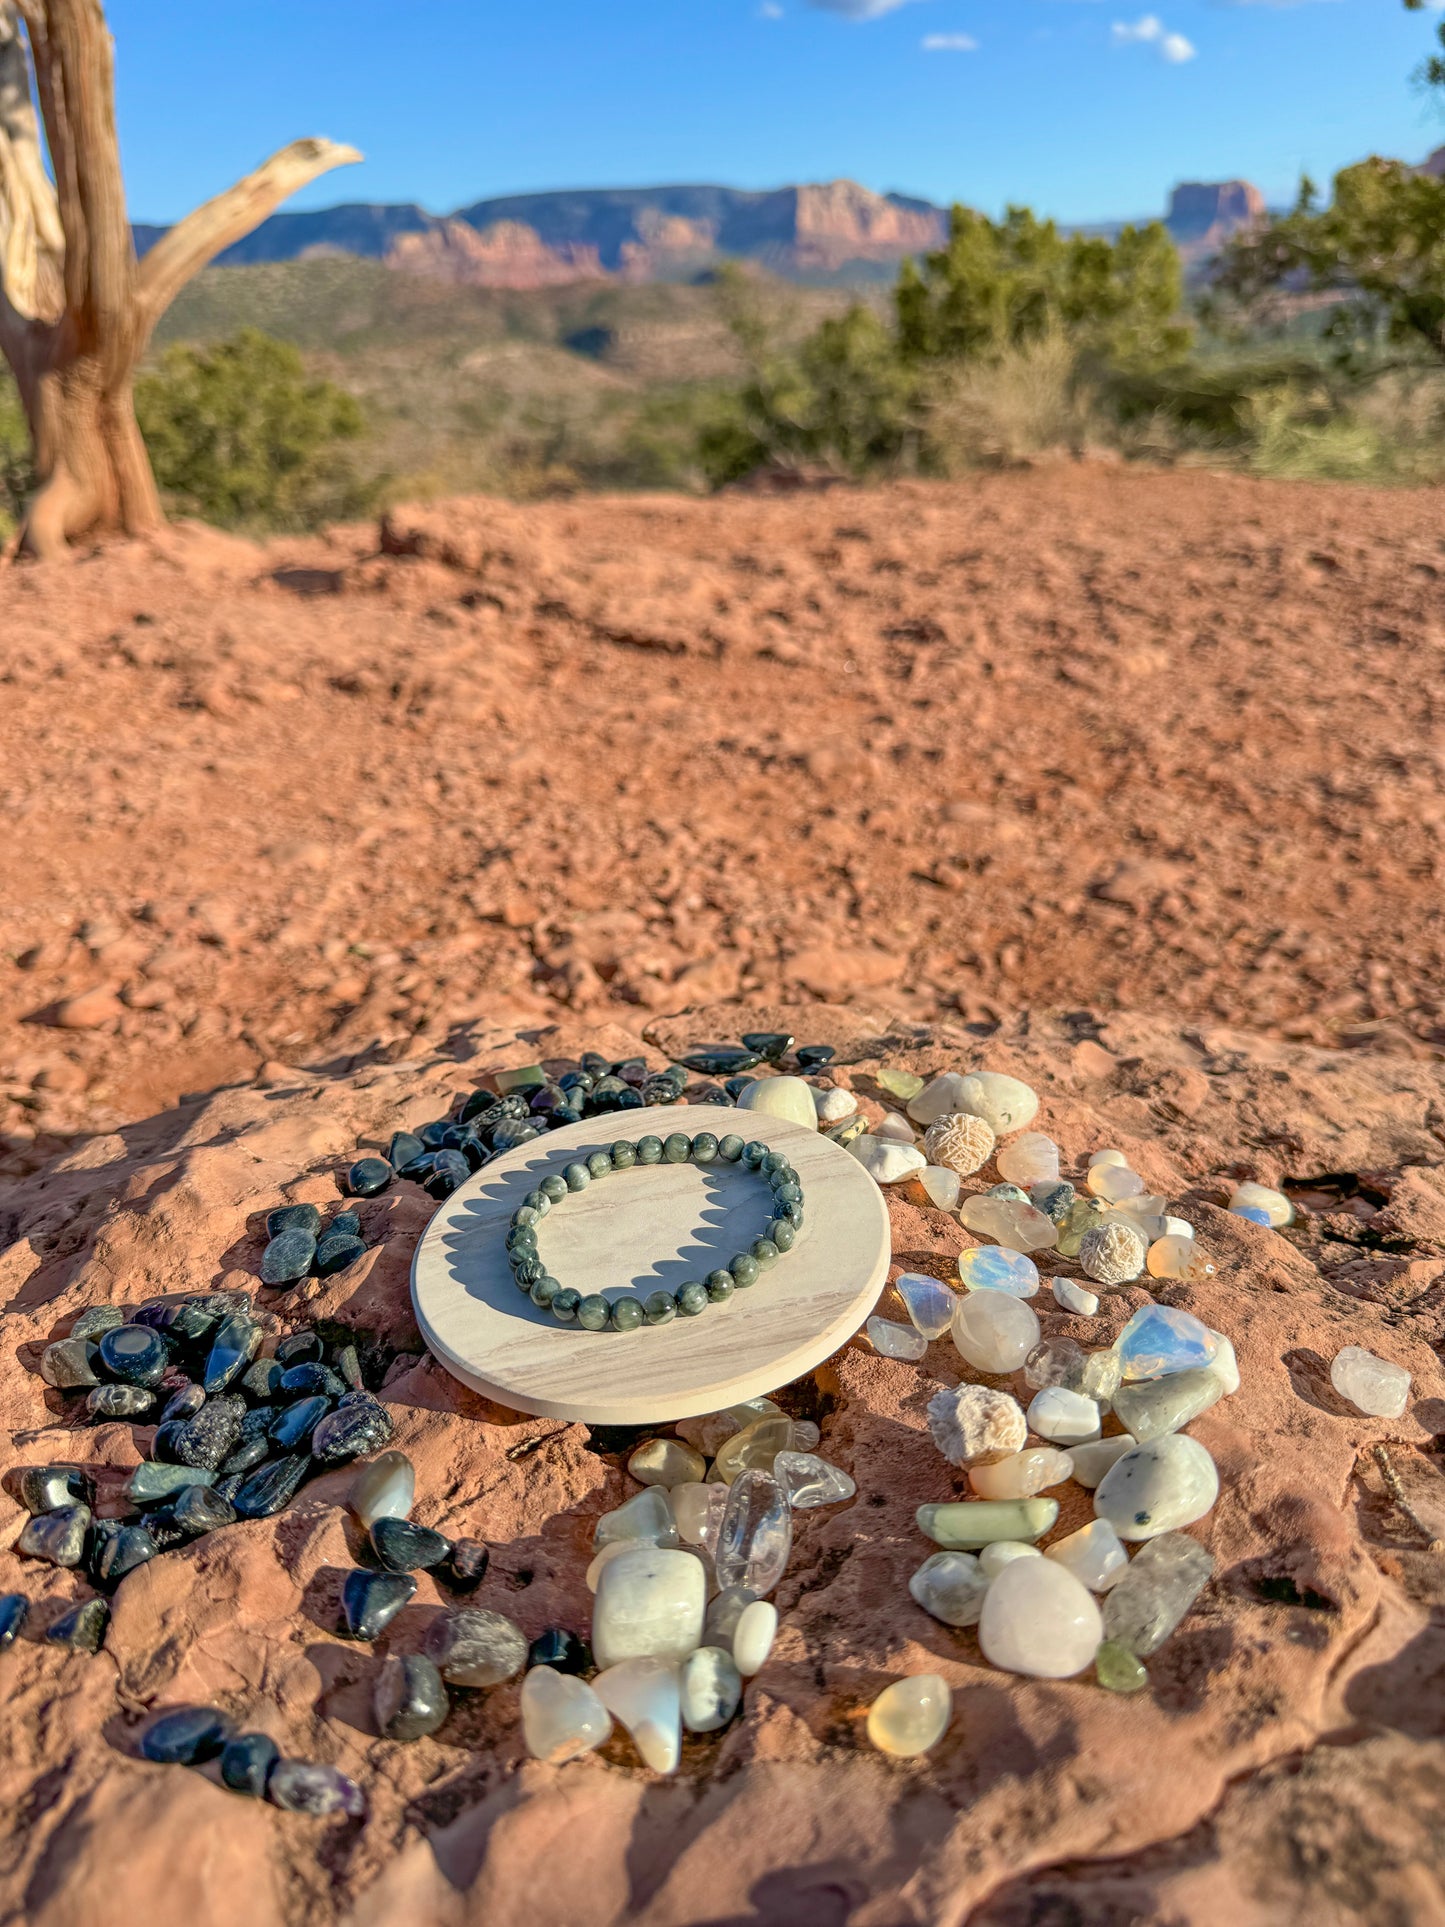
[
  {"x": 929, "y": 1301},
  {"x": 891, "y": 1340},
  {"x": 1114, "y": 1182},
  {"x": 1094, "y": 1554},
  {"x": 1160, "y": 1339},
  {"x": 384, "y": 1489},
  {"x": 650, "y": 1604},
  {"x": 667, "y": 1462},
  {"x": 756, "y": 1534},
  {"x": 1158, "y": 1487},
  {"x": 1163, "y": 1581},
  {"x": 1155, "y": 1406},
  {"x": 1055, "y": 1361},
  {"x": 562, "y": 1718},
  {"x": 1040, "y": 1621},
  {"x": 712, "y": 1689},
  {"x": 810, "y": 1481},
  {"x": 755, "y": 1449},
  {"x": 911, "y": 1716},
  {"x": 753, "y": 1636},
  {"x": 1026, "y": 1473},
  {"x": 724, "y": 1613},
  {"x": 995, "y": 1268},
  {"x": 645, "y": 1519},
  {"x": 1002, "y": 1553},
  {"x": 994, "y": 1332},
  {"x": 1372, "y": 1385},
  {"x": 698, "y": 1510},
  {"x": 646, "y": 1696},
  {"x": 711, "y": 1432},
  {"x": 965, "y": 1525},
  {"x": 1030, "y": 1158},
  {"x": 944, "y": 1187},
  {"x": 1019, "y": 1227},
  {"x": 950, "y": 1586}
]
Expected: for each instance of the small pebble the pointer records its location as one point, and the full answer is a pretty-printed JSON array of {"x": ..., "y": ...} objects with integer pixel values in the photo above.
[
  {"x": 1117, "y": 1670},
  {"x": 69, "y": 1365},
  {"x": 118, "y": 1401},
  {"x": 1157, "y": 1488},
  {"x": 944, "y": 1187},
  {"x": 403, "y": 1546},
  {"x": 966, "y": 1525},
  {"x": 712, "y": 1689},
  {"x": 1064, "y": 1417},
  {"x": 895, "y": 1129},
  {"x": 1114, "y": 1182},
  {"x": 1094, "y": 1554},
  {"x": 560, "y": 1649},
  {"x": 886, "y": 1163},
  {"x": 1002, "y": 1553},
  {"x": 371, "y": 1600},
  {"x": 288, "y": 1258},
  {"x": 82, "y": 1628},
  {"x": 1018, "y": 1227},
  {"x": 1028, "y": 1472},
  {"x": 1251, "y": 1198},
  {"x": 667, "y": 1462},
  {"x": 471, "y": 1646},
  {"x": 246, "y": 1763},
  {"x": 562, "y": 1718},
  {"x": 808, "y": 1481}
]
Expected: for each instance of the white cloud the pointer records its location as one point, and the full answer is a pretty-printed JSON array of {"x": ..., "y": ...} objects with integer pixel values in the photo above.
[
  {"x": 949, "y": 43},
  {"x": 770, "y": 10},
  {"x": 1149, "y": 31},
  {"x": 858, "y": 9}
]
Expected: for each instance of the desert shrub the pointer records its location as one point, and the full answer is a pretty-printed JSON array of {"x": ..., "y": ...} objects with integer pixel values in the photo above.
[
  {"x": 240, "y": 435},
  {"x": 1024, "y": 401},
  {"x": 17, "y": 467}
]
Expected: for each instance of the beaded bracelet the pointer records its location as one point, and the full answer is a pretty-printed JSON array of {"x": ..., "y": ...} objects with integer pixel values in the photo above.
[{"x": 594, "y": 1312}]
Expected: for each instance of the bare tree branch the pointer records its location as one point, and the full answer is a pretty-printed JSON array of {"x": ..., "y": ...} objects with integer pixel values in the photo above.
[
  {"x": 217, "y": 223},
  {"x": 32, "y": 242}
]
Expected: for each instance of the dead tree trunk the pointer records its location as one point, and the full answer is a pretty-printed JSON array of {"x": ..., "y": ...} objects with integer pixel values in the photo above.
[{"x": 76, "y": 307}]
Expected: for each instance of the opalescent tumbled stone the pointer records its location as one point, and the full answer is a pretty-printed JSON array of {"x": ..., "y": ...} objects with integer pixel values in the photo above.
[
  {"x": 994, "y": 1331},
  {"x": 891, "y": 1340},
  {"x": 472, "y": 1646},
  {"x": 976, "y": 1425},
  {"x": 937, "y": 1099},
  {"x": 885, "y": 1161},
  {"x": 753, "y": 1636},
  {"x": 1021, "y": 1476},
  {"x": 787, "y": 1097},
  {"x": 950, "y": 1586},
  {"x": 1030, "y": 1158},
  {"x": 650, "y": 1604},
  {"x": 645, "y": 1695},
  {"x": 562, "y": 1718},
  {"x": 1018, "y": 1227},
  {"x": 944, "y": 1187},
  {"x": 996, "y": 1268},
  {"x": 965, "y": 1525},
  {"x": 1371, "y": 1384},
  {"x": 646, "y": 1518},
  {"x": 1158, "y": 1487},
  {"x": 1039, "y": 1620},
  {"x": 712, "y": 1690},
  {"x": 1158, "y": 1405},
  {"x": 810, "y": 1481},
  {"x": 1094, "y": 1554},
  {"x": 667, "y": 1462},
  {"x": 992, "y": 1559},
  {"x": 1004, "y": 1102},
  {"x": 755, "y": 1535},
  {"x": 911, "y": 1716},
  {"x": 1160, "y": 1339},
  {"x": 1277, "y": 1209},
  {"x": 384, "y": 1489},
  {"x": 1163, "y": 1581},
  {"x": 1067, "y": 1418},
  {"x": 929, "y": 1301}
]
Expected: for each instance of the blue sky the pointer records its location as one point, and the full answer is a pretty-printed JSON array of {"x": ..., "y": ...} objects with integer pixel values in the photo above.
[{"x": 1085, "y": 109}]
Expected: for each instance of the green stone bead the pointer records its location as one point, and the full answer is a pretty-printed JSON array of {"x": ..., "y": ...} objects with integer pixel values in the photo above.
[
  {"x": 599, "y": 1164},
  {"x": 789, "y": 1192},
  {"x": 1118, "y": 1670},
  {"x": 730, "y": 1148},
  {"x": 692, "y": 1298},
  {"x": 623, "y": 1155},
  {"x": 578, "y": 1176},
  {"x": 545, "y": 1290},
  {"x": 774, "y": 1161},
  {"x": 745, "y": 1269},
  {"x": 520, "y": 1236},
  {"x": 524, "y": 1218},
  {"x": 627, "y": 1314},
  {"x": 564, "y": 1305},
  {"x": 553, "y": 1186},
  {"x": 660, "y": 1308},
  {"x": 704, "y": 1148},
  {"x": 528, "y": 1274},
  {"x": 593, "y": 1312},
  {"x": 754, "y": 1153},
  {"x": 794, "y": 1214},
  {"x": 677, "y": 1149},
  {"x": 781, "y": 1233},
  {"x": 539, "y": 1202},
  {"x": 765, "y": 1251},
  {"x": 720, "y": 1286},
  {"x": 649, "y": 1150}
]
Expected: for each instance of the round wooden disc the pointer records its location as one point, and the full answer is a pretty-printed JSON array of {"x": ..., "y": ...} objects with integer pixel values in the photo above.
[{"x": 650, "y": 1228}]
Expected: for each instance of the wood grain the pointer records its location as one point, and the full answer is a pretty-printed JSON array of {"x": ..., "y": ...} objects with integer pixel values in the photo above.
[{"x": 651, "y": 1228}]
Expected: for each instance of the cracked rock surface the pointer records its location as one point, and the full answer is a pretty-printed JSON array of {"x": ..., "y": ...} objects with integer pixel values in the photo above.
[{"x": 1284, "y": 1763}]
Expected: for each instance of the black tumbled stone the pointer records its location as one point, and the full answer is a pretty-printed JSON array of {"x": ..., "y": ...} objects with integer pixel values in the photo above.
[
  {"x": 212, "y": 1435},
  {"x": 349, "y": 1221},
  {"x": 812, "y": 1057},
  {"x": 720, "y": 1063},
  {"x": 405, "y": 1149},
  {"x": 288, "y": 1258},
  {"x": 771, "y": 1044},
  {"x": 122, "y": 1552},
  {"x": 118, "y": 1401},
  {"x": 403, "y": 1546},
  {"x": 368, "y": 1177},
  {"x": 410, "y": 1699},
  {"x": 187, "y": 1735},
  {"x": 271, "y": 1488},
  {"x": 58, "y": 1536},
  {"x": 371, "y": 1600},
  {"x": 292, "y": 1427},
  {"x": 293, "y": 1217},
  {"x": 246, "y": 1763},
  {"x": 135, "y": 1355},
  {"x": 82, "y": 1628},
  {"x": 183, "y": 1403},
  {"x": 235, "y": 1344},
  {"x": 97, "y": 1321},
  {"x": 353, "y": 1428},
  {"x": 308, "y": 1379},
  {"x": 14, "y": 1611},
  {"x": 336, "y": 1252},
  {"x": 201, "y": 1509},
  {"x": 301, "y": 1348},
  {"x": 250, "y": 1453},
  {"x": 560, "y": 1649},
  {"x": 465, "y": 1566},
  {"x": 260, "y": 1380}
]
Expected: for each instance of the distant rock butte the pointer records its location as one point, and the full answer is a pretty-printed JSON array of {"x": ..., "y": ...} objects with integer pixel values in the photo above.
[{"x": 1204, "y": 214}]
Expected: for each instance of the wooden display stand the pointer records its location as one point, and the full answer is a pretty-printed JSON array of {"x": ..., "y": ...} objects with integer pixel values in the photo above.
[{"x": 650, "y": 1228}]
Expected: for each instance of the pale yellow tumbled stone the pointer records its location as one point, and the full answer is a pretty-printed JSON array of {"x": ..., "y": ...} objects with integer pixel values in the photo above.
[
  {"x": 1171, "y": 1257},
  {"x": 667, "y": 1462},
  {"x": 894, "y": 1128},
  {"x": 911, "y": 1716},
  {"x": 755, "y": 1449},
  {"x": 944, "y": 1187},
  {"x": 960, "y": 1143},
  {"x": 1114, "y": 1182},
  {"x": 992, "y": 1559},
  {"x": 1030, "y": 1158},
  {"x": 713, "y": 1429},
  {"x": 1023, "y": 1475},
  {"x": 787, "y": 1097}
]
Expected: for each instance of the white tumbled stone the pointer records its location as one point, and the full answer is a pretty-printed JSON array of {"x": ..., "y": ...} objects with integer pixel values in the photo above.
[
  {"x": 944, "y": 1187},
  {"x": 1030, "y": 1158},
  {"x": 886, "y": 1162},
  {"x": 1070, "y": 1296},
  {"x": 1002, "y": 1553},
  {"x": 1094, "y": 1554},
  {"x": 787, "y": 1097},
  {"x": 950, "y": 1586},
  {"x": 1003, "y": 1102},
  {"x": 911, "y": 1716},
  {"x": 650, "y": 1605},
  {"x": 1026, "y": 1473},
  {"x": 712, "y": 1689},
  {"x": 1158, "y": 1487},
  {"x": 1091, "y": 1462},
  {"x": 1224, "y": 1363},
  {"x": 834, "y": 1105},
  {"x": 1372, "y": 1385},
  {"x": 753, "y": 1636},
  {"x": 645, "y": 1519},
  {"x": 994, "y": 1331},
  {"x": 1039, "y": 1620},
  {"x": 1064, "y": 1417},
  {"x": 562, "y": 1717},
  {"x": 384, "y": 1489},
  {"x": 894, "y": 1128},
  {"x": 646, "y": 1695}
]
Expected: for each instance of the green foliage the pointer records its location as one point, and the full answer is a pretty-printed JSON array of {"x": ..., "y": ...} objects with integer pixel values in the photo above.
[
  {"x": 1003, "y": 284},
  {"x": 241, "y": 436},
  {"x": 17, "y": 468},
  {"x": 1376, "y": 253}
]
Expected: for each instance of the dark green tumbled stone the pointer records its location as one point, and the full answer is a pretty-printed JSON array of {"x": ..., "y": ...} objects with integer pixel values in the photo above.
[
  {"x": 704, "y": 1148},
  {"x": 735, "y": 1086},
  {"x": 347, "y": 1221},
  {"x": 730, "y": 1148},
  {"x": 564, "y": 1305},
  {"x": 247, "y": 1761},
  {"x": 368, "y": 1177},
  {"x": 659, "y": 1308},
  {"x": 692, "y": 1298},
  {"x": 578, "y": 1176},
  {"x": 627, "y": 1314},
  {"x": 649, "y": 1150},
  {"x": 593, "y": 1312},
  {"x": 293, "y": 1217},
  {"x": 753, "y": 1153},
  {"x": 82, "y": 1628},
  {"x": 553, "y": 1186},
  {"x": 544, "y": 1290},
  {"x": 135, "y": 1355},
  {"x": 528, "y": 1272},
  {"x": 720, "y": 1063},
  {"x": 720, "y": 1286},
  {"x": 765, "y": 1251},
  {"x": 782, "y": 1233},
  {"x": 745, "y": 1269},
  {"x": 336, "y": 1253},
  {"x": 521, "y": 1237},
  {"x": 623, "y": 1154},
  {"x": 599, "y": 1164}
]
